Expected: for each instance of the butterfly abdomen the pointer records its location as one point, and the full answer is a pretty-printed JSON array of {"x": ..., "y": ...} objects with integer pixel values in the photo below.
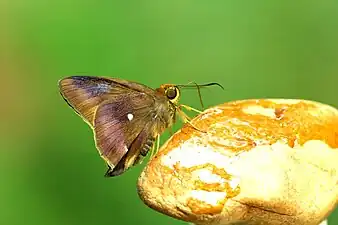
[{"x": 147, "y": 146}]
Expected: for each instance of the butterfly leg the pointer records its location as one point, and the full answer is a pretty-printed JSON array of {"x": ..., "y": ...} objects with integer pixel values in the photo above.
[
  {"x": 155, "y": 148},
  {"x": 152, "y": 151},
  {"x": 171, "y": 131},
  {"x": 190, "y": 108},
  {"x": 157, "y": 143},
  {"x": 186, "y": 119}
]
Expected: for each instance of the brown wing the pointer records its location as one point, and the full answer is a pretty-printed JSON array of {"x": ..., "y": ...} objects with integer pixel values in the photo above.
[
  {"x": 133, "y": 156},
  {"x": 85, "y": 93},
  {"x": 124, "y": 125}
]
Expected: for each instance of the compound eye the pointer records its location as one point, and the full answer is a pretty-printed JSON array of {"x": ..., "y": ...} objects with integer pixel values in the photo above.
[{"x": 171, "y": 93}]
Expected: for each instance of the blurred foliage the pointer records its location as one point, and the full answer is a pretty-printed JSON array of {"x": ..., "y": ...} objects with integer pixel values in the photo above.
[{"x": 51, "y": 172}]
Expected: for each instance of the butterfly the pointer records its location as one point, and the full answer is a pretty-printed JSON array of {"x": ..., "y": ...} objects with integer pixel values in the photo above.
[{"x": 126, "y": 117}]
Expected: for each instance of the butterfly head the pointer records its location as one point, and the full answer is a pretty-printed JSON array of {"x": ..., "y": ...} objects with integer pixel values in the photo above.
[{"x": 172, "y": 92}]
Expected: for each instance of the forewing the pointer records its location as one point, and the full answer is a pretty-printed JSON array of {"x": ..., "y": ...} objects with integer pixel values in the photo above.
[
  {"x": 119, "y": 122},
  {"x": 85, "y": 93}
]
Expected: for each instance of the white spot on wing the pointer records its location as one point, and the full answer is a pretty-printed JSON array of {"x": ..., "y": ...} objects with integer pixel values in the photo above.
[
  {"x": 125, "y": 148},
  {"x": 130, "y": 116}
]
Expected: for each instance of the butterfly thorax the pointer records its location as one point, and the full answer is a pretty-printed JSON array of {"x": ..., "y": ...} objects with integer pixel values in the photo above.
[
  {"x": 165, "y": 104},
  {"x": 164, "y": 114}
]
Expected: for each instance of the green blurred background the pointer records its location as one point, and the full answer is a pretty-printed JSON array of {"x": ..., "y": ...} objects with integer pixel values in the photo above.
[{"x": 51, "y": 172}]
